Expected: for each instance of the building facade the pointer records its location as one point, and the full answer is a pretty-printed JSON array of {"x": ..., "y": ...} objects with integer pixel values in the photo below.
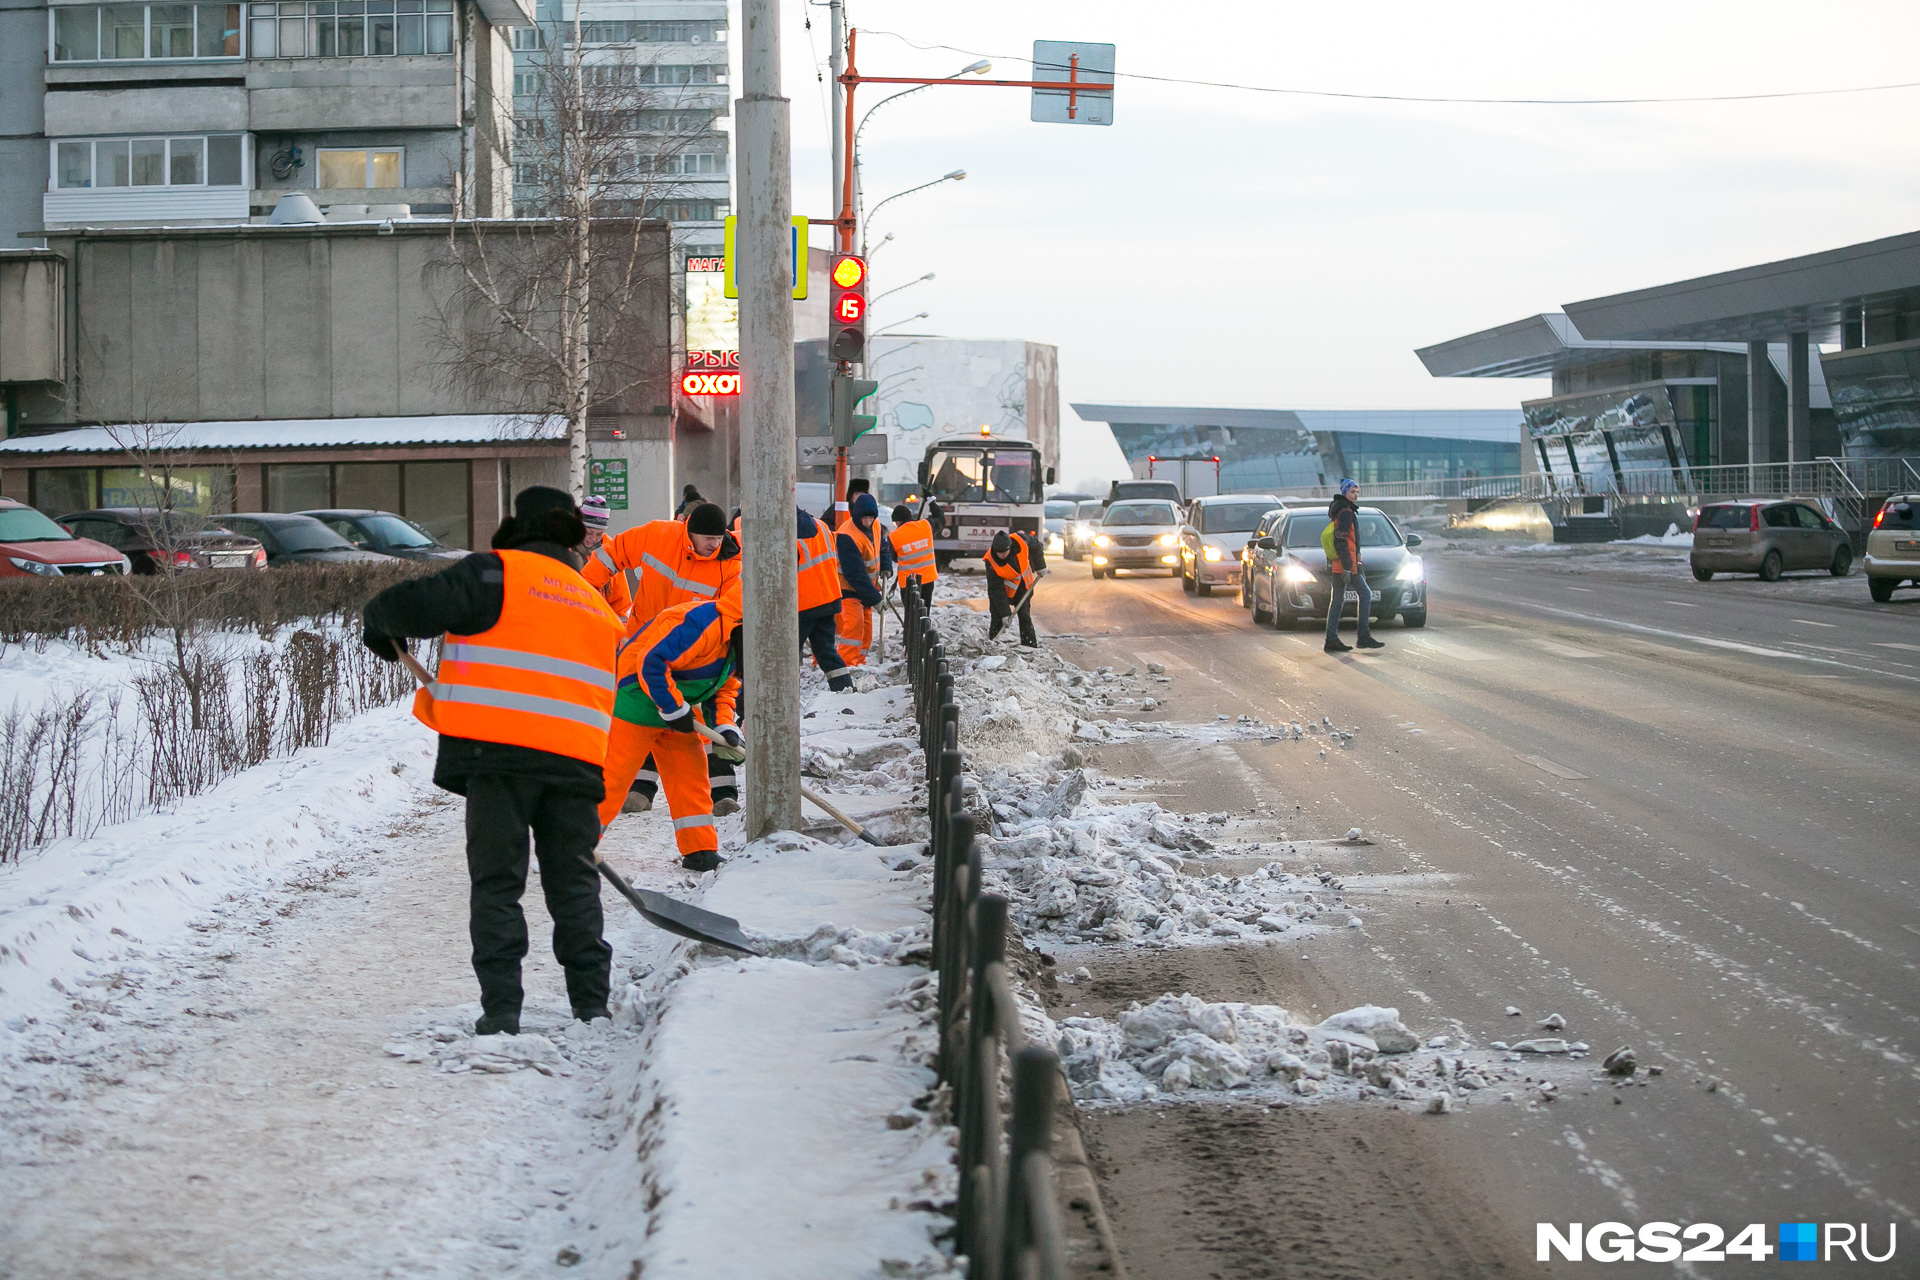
[{"x": 203, "y": 114}]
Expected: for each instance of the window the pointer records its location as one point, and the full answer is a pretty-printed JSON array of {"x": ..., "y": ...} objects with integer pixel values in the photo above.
[
  {"x": 349, "y": 28},
  {"x": 437, "y": 498},
  {"x": 646, "y": 32},
  {"x": 1231, "y": 517},
  {"x": 431, "y": 495},
  {"x": 528, "y": 40},
  {"x": 357, "y": 169},
  {"x": 59, "y": 490},
  {"x": 374, "y": 486},
  {"x": 218, "y": 160},
  {"x": 91, "y": 33},
  {"x": 299, "y": 486},
  {"x": 525, "y": 83}
]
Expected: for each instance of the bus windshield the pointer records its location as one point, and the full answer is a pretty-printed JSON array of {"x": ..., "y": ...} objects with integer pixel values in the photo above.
[{"x": 981, "y": 476}]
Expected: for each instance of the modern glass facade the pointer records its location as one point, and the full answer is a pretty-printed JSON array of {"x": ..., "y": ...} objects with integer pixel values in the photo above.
[
  {"x": 1625, "y": 437},
  {"x": 1876, "y": 399}
]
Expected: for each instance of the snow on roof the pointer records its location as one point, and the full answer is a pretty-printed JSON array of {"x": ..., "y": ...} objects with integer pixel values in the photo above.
[{"x": 298, "y": 433}]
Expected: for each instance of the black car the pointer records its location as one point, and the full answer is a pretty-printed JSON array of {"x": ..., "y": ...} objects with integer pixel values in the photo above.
[
  {"x": 158, "y": 541},
  {"x": 386, "y": 533},
  {"x": 1287, "y": 580},
  {"x": 291, "y": 539}
]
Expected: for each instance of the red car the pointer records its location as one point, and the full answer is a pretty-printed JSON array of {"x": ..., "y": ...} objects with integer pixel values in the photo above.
[{"x": 31, "y": 545}]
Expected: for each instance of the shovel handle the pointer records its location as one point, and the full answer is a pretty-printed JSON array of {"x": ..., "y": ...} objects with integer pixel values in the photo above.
[
  {"x": 819, "y": 801},
  {"x": 413, "y": 665}
]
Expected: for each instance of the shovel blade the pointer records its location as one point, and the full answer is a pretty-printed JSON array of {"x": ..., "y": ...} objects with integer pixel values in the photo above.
[{"x": 680, "y": 917}]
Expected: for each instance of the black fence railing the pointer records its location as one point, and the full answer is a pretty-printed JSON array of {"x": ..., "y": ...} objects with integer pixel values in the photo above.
[{"x": 1008, "y": 1223}]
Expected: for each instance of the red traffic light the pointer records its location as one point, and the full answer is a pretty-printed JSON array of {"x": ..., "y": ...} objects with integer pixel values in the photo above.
[{"x": 849, "y": 272}]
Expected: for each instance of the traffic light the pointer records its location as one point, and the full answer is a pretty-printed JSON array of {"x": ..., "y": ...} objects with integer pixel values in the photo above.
[
  {"x": 848, "y": 318},
  {"x": 845, "y": 395}
]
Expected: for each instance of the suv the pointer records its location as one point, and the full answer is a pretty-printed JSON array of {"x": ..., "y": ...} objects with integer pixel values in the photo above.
[
  {"x": 1767, "y": 538},
  {"x": 1213, "y": 534},
  {"x": 1893, "y": 546},
  {"x": 1128, "y": 490},
  {"x": 33, "y": 546},
  {"x": 1288, "y": 580}
]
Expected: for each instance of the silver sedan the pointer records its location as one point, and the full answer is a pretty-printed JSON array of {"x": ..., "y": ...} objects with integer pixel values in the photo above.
[{"x": 1141, "y": 534}]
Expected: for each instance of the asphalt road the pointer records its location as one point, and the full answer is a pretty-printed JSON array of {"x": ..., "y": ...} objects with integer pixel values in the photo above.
[{"x": 1682, "y": 815}]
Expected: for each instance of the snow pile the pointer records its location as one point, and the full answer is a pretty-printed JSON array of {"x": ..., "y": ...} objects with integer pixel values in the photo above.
[
  {"x": 1673, "y": 537},
  {"x": 1184, "y": 1046}
]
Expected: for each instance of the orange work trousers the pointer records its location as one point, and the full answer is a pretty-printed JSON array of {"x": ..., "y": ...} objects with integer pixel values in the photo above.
[
  {"x": 853, "y": 632},
  {"x": 682, "y": 762}
]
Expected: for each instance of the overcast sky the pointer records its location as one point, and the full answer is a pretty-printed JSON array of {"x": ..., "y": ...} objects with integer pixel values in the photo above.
[{"x": 1217, "y": 246}]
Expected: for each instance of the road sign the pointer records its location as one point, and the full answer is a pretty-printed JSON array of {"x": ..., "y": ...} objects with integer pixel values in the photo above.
[
  {"x": 796, "y": 244},
  {"x": 868, "y": 450},
  {"x": 815, "y": 451},
  {"x": 607, "y": 477},
  {"x": 1073, "y": 65}
]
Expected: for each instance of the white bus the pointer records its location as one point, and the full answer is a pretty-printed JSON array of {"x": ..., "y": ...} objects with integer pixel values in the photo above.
[{"x": 984, "y": 484}]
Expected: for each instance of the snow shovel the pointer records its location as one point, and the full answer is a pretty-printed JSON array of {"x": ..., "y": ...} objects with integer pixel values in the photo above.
[
  {"x": 819, "y": 801},
  {"x": 656, "y": 909}
]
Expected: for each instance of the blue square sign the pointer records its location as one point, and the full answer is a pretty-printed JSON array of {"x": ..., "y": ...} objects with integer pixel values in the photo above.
[{"x": 1799, "y": 1241}]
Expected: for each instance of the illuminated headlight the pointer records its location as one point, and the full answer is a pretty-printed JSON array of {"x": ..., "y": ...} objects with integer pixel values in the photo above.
[
  {"x": 1412, "y": 571},
  {"x": 1169, "y": 559},
  {"x": 1102, "y": 540},
  {"x": 34, "y": 566},
  {"x": 1296, "y": 575},
  {"x": 1168, "y": 539},
  {"x": 1099, "y": 559},
  {"x": 1210, "y": 554},
  {"x": 1054, "y": 543}
]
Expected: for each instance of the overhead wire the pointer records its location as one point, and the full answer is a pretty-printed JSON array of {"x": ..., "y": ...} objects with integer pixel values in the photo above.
[{"x": 1428, "y": 99}]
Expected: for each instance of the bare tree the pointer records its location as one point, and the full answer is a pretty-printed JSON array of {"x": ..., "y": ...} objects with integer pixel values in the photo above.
[{"x": 550, "y": 313}]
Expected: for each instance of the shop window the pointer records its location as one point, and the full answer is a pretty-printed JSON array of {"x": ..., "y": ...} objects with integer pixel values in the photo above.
[
  {"x": 380, "y": 167},
  {"x": 202, "y": 490},
  {"x": 299, "y": 486},
  {"x": 372, "y": 485},
  {"x": 61, "y": 491},
  {"x": 438, "y": 498}
]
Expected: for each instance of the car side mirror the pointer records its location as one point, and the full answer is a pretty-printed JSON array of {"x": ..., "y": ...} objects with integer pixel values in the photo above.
[
  {"x": 1266, "y": 544},
  {"x": 922, "y": 475},
  {"x": 1049, "y": 475},
  {"x": 1414, "y": 539}
]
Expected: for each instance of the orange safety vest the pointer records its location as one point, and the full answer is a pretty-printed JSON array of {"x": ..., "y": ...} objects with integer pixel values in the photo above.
[
  {"x": 661, "y": 569},
  {"x": 1020, "y": 573},
  {"x": 819, "y": 568},
  {"x": 913, "y": 552},
  {"x": 869, "y": 552},
  {"x": 540, "y": 677}
]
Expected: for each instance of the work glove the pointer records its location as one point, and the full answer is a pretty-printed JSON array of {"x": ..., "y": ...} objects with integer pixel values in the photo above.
[
  {"x": 735, "y": 748},
  {"x": 384, "y": 648},
  {"x": 682, "y": 723}
]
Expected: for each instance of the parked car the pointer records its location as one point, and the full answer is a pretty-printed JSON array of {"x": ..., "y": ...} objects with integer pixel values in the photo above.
[
  {"x": 1289, "y": 582},
  {"x": 295, "y": 539},
  {"x": 1080, "y": 529},
  {"x": 387, "y": 533},
  {"x": 1137, "y": 535},
  {"x": 1767, "y": 538},
  {"x": 1893, "y": 546},
  {"x": 1053, "y": 524},
  {"x": 33, "y": 546},
  {"x": 1213, "y": 533},
  {"x": 1268, "y": 523},
  {"x": 162, "y": 541},
  {"x": 1131, "y": 490}
]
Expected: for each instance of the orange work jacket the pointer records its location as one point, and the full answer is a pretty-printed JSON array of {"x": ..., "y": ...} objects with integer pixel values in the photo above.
[
  {"x": 913, "y": 552},
  {"x": 661, "y": 569},
  {"x": 869, "y": 551},
  {"x": 1020, "y": 573},
  {"x": 540, "y": 677},
  {"x": 819, "y": 568}
]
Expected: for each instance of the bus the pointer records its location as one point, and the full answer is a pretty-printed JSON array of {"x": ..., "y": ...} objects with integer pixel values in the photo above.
[{"x": 984, "y": 484}]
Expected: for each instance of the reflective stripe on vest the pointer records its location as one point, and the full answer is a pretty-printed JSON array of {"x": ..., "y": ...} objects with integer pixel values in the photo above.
[
  {"x": 654, "y": 563},
  {"x": 542, "y": 676},
  {"x": 816, "y": 561},
  {"x": 869, "y": 551},
  {"x": 913, "y": 554}
]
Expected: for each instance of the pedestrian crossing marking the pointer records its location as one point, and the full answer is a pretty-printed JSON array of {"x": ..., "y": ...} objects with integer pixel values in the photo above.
[
  {"x": 1564, "y": 650},
  {"x": 1448, "y": 649}
]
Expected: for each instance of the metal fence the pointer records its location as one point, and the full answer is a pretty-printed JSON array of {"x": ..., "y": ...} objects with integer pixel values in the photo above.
[{"x": 1008, "y": 1223}]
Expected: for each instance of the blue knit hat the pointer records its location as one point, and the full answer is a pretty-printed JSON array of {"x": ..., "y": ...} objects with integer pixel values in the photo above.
[
  {"x": 864, "y": 504},
  {"x": 1347, "y": 485}
]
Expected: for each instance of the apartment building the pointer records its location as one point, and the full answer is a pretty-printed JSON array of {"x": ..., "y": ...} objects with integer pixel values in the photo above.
[{"x": 205, "y": 114}]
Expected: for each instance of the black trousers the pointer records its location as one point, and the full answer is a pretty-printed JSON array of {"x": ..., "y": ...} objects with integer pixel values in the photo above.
[
  {"x": 819, "y": 633},
  {"x": 926, "y": 594},
  {"x": 1000, "y": 608},
  {"x": 501, "y": 810}
]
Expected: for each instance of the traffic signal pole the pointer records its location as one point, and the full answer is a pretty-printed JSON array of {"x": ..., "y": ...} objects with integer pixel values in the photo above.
[
  {"x": 842, "y": 223},
  {"x": 770, "y": 591}
]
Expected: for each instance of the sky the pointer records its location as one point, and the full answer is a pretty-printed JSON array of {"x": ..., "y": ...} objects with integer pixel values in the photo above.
[{"x": 1223, "y": 247}]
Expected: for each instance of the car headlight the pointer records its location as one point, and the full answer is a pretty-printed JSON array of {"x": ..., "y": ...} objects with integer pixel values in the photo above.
[
  {"x": 1102, "y": 540},
  {"x": 1168, "y": 539},
  {"x": 1296, "y": 575},
  {"x": 1210, "y": 554},
  {"x": 1412, "y": 571},
  {"x": 33, "y": 566}
]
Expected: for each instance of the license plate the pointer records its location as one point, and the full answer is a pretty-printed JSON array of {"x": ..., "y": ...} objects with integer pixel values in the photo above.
[
  {"x": 1906, "y": 546},
  {"x": 976, "y": 533},
  {"x": 232, "y": 560}
]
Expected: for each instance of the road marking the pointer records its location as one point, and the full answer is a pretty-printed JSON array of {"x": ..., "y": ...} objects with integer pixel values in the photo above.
[
  {"x": 1808, "y": 622},
  {"x": 1588, "y": 590},
  {"x": 1557, "y": 770},
  {"x": 1888, "y": 644},
  {"x": 1714, "y": 643},
  {"x": 1447, "y": 648},
  {"x": 1564, "y": 650},
  {"x": 1684, "y": 604}
]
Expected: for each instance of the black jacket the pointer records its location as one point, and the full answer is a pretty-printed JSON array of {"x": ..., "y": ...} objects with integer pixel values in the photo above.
[
  {"x": 464, "y": 601},
  {"x": 1346, "y": 535}
]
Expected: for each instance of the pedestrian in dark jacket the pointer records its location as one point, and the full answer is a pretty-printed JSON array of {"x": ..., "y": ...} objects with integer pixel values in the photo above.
[
  {"x": 523, "y": 721},
  {"x": 1343, "y": 570}
]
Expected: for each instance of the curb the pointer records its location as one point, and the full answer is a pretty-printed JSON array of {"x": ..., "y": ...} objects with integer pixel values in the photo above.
[{"x": 1091, "y": 1250}]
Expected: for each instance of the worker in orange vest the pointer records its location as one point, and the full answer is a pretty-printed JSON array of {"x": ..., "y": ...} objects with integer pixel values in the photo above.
[
  {"x": 687, "y": 656},
  {"x": 594, "y": 514},
  {"x": 913, "y": 562},
  {"x": 523, "y": 702},
  {"x": 669, "y": 562},
  {"x": 1011, "y": 579},
  {"x": 864, "y": 557},
  {"x": 819, "y": 591}
]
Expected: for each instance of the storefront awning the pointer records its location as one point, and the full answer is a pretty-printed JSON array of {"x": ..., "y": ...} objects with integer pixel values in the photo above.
[{"x": 296, "y": 433}]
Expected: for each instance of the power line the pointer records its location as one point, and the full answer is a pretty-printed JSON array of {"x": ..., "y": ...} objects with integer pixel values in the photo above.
[{"x": 1403, "y": 97}]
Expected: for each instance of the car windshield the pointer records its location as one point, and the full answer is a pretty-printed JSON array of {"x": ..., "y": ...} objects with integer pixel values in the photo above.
[
  {"x": 392, "y": 531},
  {"x": 1089, "y": 511},
  {"x": 306, "y": 535},
  {"x": 24, "y": 524},
  {"x": 1135, "y": 513},
  {"x": 1059, "y": 510},
  {"x": 1375, "y": 530},
  {"x": 1232, "y": 517},
  {"x": 1725, "y": 517},
  {"x": 969, "y": 476}
]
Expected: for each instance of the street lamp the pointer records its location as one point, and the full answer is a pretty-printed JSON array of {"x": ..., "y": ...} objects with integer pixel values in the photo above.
[
  {"x": 897, "y": 288},
  {"x": 958, "y": 175},
  {"x": 897, "y": 323},
  {"x": 859, "y": 188}
]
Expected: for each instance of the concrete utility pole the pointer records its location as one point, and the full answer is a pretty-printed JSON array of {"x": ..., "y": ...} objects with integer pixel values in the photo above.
[{"x": 768, "y": 580}]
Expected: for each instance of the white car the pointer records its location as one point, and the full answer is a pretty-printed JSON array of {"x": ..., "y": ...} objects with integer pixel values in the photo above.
[
  {"x": 1141, "y": 534},
  {"x": 1214, "y": 533},
  {"x": 1893, "y": 546}
]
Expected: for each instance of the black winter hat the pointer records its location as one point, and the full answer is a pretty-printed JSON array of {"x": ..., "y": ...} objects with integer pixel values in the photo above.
[
  {"x": 544, "y": 514},
  {"x": 707, "y": 519},
  {"x": 1002, "y": 545},
  {"x": 902, "y": 514},
  {"x": 690, "y": 494}
]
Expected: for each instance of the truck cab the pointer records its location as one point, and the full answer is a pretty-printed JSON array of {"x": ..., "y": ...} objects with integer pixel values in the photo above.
[{"x": 983, "y": 485}]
